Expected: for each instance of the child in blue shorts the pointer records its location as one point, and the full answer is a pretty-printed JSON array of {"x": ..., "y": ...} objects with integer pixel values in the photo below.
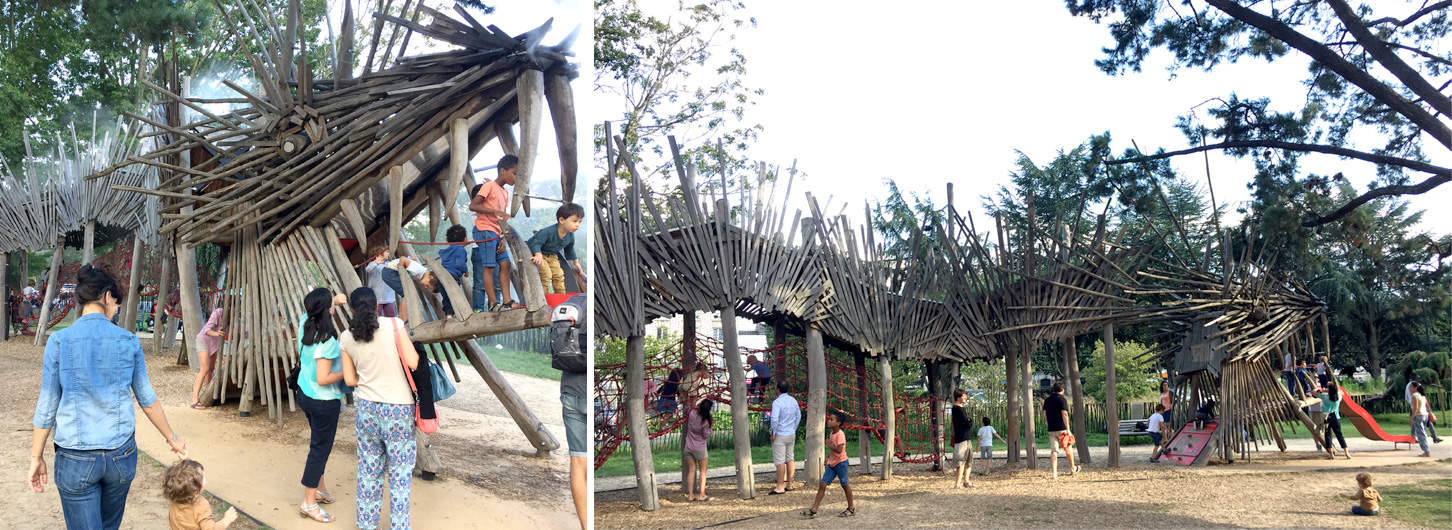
[{"x": 837, "y": 467}]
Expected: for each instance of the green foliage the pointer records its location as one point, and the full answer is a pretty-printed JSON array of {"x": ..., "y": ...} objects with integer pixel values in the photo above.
[
  {"x": 610, "y": 350},
  {"x": 1134, "y": 374},
  {"x": 1433, "y": 370}
]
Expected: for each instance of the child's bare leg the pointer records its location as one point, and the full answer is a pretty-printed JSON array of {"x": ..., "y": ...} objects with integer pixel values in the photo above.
[
  {"x": 689, "y": 477},
  {"x": 504, "y": 267},
  {"x": 489, "y": 284},
  {"x": 847, "y": 490},
  {"x": 821, "y": 491},
  {"x": 701, "y": 480}
]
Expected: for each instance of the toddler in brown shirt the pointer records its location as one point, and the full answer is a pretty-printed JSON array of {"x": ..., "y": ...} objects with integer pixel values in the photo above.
[
  {"x": 1369, "y": 497},
  {"x": 182, "y": 485}
]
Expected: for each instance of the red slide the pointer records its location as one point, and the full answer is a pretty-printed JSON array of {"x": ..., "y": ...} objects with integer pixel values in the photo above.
[{"x": 1367, "y": 426}]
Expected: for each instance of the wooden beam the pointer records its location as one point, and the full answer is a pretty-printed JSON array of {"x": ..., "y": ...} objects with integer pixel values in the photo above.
[
  {"x": 395, "y": 207},
  {"x": 5, "y": 308},
  {"x": 354, "y": 217},
  {"x": 864, "y": 438},
  {"x": 538, "y": 435},
  {"x": 1111, "y": 402},
  {"x": 1011, "y": 385},
  {"x": 43, "y": 322},
  {"x": 480, "y": 324},
  {"x": 458, "y": 164},
  {"x": 1076, "y": 389},
  {"x": 740, "y": 424},
  {"x": 133, "y": 286},
  {"x": 530, "y": 89},
  {"x": 561, "y": 100},
  {"x": 163, "y": 290},
  {"x": 635, "y": 415},
  {"x": 816, "y": 403},
  {"x": 1030, "y": 421},
  {"x": 88, "y": 245},
  {"x": 889, "y": 417}
]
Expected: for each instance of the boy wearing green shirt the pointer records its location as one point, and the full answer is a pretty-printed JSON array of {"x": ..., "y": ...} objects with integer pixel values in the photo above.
[{"x": 556, "y": 242}]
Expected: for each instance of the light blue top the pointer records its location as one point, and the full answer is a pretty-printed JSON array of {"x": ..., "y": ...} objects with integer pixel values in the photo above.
[
  {"x": 785, "y": 415},
  {"x": 1328, "y": 406},
  {"x": 307, "y": 377},
  {"x": 89, "y": 374}
]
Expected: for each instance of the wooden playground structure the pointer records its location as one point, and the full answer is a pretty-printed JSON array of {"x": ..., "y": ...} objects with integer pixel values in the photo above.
[
  {"x": 963, "y": 296},
  {"x": 297, "y": 179}
]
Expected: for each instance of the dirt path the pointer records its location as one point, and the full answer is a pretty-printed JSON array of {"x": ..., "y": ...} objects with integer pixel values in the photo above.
[
  {"x": 491, "y": 477},
  {"x": 1291, "y": 490}
]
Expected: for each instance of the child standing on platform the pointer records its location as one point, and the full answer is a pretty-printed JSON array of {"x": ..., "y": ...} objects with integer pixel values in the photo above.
[
  {"x": 455, "y": 260},
  {"x": 555, "y": 242},
  {"x": 491, "y": 204},
  {"x": 836, "y": 465}
]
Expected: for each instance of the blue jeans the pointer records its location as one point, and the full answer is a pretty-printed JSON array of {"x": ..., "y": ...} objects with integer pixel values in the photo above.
[
  {"x": 485, "y": 256},
  {"x": 1358, "y": 511},
  {"x": 573, "y": 409},
  {"x": 838, "y": 471},
  {"x": 93, "y": 485}
]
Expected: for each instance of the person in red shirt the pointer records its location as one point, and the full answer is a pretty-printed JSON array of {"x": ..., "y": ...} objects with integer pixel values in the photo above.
[
  {"x": 837, "y": 467},
  {"x": 491, "y": 204}
]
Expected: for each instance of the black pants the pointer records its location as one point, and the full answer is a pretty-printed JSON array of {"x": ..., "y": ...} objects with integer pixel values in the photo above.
[
  {"x": 1333, "y": 423},
  {"x": 323, "y": 419}
]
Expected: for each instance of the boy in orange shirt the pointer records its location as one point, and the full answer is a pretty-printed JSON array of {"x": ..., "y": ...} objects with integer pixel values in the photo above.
[
  {"x": 491, "y": 204},
  {"x": 836, "y": 464}
]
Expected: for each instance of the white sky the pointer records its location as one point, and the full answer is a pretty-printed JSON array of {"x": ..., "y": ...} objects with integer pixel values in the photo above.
[{"x": 861, "y": 91}]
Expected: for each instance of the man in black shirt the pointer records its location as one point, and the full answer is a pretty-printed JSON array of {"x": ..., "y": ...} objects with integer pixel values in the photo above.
[
  {"x": 1056, "y": 414},
  {"x": 962, "y": 448}
]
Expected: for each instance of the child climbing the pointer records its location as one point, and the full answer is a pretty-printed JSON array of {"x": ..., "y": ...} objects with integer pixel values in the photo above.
[
  {"x": 836, "y": 465},
  {"x": 393, "y": 279},
  {"x": 986, "y": 434},
  {"x": 182, "y": 484},
  {"x": 962, "y": 446},
  {"x": 554, "y": 243},
  {"x": 455, "y": 260},
  {"x": 1205, "y": 414},
  {"x": 1369, "y": 498}
]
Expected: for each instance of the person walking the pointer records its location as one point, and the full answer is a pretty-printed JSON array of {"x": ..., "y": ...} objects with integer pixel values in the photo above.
[
  {"x": 1331, "y": 407},
  {"x": 1429, "y": 426},
  {"x": 786, "y": 414},
  {"x": 376, "y": 350},
  {"x": 1056, "y": 415},
  {"x": 320, "y": 394},
  {"x": 88, "y": 376},
  {"x": 1420, "y": 413}
]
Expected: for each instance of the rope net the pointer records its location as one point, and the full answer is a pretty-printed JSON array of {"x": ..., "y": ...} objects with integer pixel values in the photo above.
[{"x": 845, "y": 391}]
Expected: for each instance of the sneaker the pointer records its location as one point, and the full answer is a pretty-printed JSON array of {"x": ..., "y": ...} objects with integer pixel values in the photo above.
[{"x": 1156, "y": 460}]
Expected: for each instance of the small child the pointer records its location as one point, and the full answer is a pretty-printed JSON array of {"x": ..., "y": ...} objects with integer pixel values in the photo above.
[
  {"x": 182, "y": 485},
  {"x": 455, "y": 260},
  {"x": 394, "y": 280},
  {"x": 986, "y": 434},
  {"x": 836, "y": 465},
  {"x": 1369, "y": 497},
  {"x": 1158, "y": 431},
  {"x": 554, "y": 242},
  {"x": 1205, "y": 414}
]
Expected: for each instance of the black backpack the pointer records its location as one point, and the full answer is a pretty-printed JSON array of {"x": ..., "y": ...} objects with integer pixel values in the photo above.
[{"x": 567, "y": 336}]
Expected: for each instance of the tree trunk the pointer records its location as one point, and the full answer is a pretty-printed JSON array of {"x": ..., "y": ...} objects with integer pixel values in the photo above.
[
  {"x": 1029, "y": 418},
  {"x": 1012, "y": 434},
  {"x": 889, "y": 418},
  {"x": 688, "y": 338},
  {"x": 864, "y": 438},
  {"x": 133, "y": 286},
  {"x": 740, "y": 425},
  {"x": 935, "y": 407},
  {"x": 43, "y": 322},
  {"x": 190, "y": 298},
  {"x": 816, "y": 404},
  {"x": 1376, "y": 370},
  {"x": 5, "y": 308},
  {"x": 1071, "y": 360},
  {"x": 163, "y": 288},
  {"x": 1111, "y": 403},
  {"x": 635, "y": 414}
]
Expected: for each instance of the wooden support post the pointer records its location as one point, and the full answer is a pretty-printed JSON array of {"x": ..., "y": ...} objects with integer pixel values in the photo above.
[
  {"x": 43, "y": 322},
  {"x": 133, "y": 286},
  {"x": 190, "y": 299},
  {"x": 5, "y": 308},
  {"x": 635, "y": 415},
  {"x": 864, "y": 437},
  {"x": 1076, "y": 389},
  {"x": 395, "y": 207},
  {"x": 163, "y": 289},
  {"x": 816, "y": 403},
  {"x": 779, "y": 358},
  {"x": 88, "y": 244},
  {"x": 1111, "y": 402},
  {"x": 436, "y": 205},
  {"x": 889, "y": 418},
  {"x": 529, "y": 91},
  {"x": 935, "y": 390},
  {"x": 688, "y": 338},
  {"x": 740, "y": 425},
  {"x": 538, "y": 436},
  {"x": 458, "y": 164},
  {"x": 1030, "y": 418},
  {"x": 354, "y": 217},
  {"x": 1011, "y": 381}
]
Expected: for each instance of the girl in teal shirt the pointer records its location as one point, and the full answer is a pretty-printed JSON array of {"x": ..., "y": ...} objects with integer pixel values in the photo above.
[{"x": 322, "y": 394}]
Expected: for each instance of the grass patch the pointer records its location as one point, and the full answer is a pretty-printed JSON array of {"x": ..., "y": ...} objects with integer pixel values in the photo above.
[
  {"x": 622, "y": 464},
  {"x": 520, "y": 362},
  {"x": 1422, "y": 504}
]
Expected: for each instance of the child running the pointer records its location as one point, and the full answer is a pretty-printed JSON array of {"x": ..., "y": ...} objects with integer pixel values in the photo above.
[
  {"x": 1368, "y": 496},
  {"x": 836, "y": 465},
  {"x": 986, "y": 434},
  {"x": 962, "y": 446},
  {"x": 182, "y": 485},
  {"x": 555, "y": 242}
]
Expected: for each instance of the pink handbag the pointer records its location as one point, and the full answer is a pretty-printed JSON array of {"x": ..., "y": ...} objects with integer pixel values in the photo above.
[{"x": 429, "y": 426}]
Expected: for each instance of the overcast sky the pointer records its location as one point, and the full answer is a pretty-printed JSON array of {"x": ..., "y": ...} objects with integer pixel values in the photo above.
[{"x": 859, "y": 91}]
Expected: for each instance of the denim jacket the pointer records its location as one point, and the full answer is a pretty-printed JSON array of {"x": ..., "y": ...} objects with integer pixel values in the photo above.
[{"x": 91, "y": 370}]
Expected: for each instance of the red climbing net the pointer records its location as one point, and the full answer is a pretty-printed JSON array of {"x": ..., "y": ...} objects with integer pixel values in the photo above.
[{"x": 845, "y": 387}]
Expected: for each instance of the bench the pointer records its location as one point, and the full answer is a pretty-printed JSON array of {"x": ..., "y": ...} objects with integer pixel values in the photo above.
[{"x": 1132, "y": 427}]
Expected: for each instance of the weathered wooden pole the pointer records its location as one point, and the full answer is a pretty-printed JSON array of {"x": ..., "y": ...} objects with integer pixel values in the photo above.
[
  {"x": 190, "y": 299},
  {"x": 816, "y": 403},
  {"x": 688, "y": 338},
  {"x": 635, "y": 415},
  {"x": 88, "y": 242},
  {"x": 1030, "y": 417},
  {"x": 533, "y": 429},
  {"x": 1071, "y": 362},
  {"x": 56, "y": 258},
  {"x": 1011, "y": 382},
  {"x": 133, "y": 286},
  {"x": 889, "y": 417},
  {"x": 1111, "y": 403},
  {"x": 740, "y": 424},
  {"x": 779, "y": 357},
  {"x": 163, "y": 289},
  {"x": 864, "y": 436},
  {"x": 458, "y": 164},
  {"x": 4, "y": 291},
  {"x": 935, "y": 390},
  {"x": 395, "y": 207}
]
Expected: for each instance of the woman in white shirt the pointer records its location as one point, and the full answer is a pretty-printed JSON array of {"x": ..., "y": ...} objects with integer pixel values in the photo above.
[
  {"x": 1420, "y": 411},
  {"x": 375, "y": 350}
]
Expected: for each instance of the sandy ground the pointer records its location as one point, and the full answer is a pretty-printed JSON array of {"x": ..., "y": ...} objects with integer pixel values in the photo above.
[
  {"x": 1293, "y": 489},
  {"x": 490, "y": 478}
]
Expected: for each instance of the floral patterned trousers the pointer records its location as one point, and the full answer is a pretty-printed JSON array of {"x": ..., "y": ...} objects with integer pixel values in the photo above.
[{"x": 385, "y": 443}]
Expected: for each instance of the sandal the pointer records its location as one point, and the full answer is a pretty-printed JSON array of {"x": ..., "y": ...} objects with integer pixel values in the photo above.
[
  {"x": 809, "y": 513},
  {"x": 326, "y": 497},
  {"x": 497, "y": 307},
  {"x": 512, "y": 305},
  {"x": 199, "y": 406},
  {"x": 847, "y": 513},
  {"x": 315, "y": 512}
]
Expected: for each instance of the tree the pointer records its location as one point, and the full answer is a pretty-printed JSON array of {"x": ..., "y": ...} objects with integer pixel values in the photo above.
[
  {"x": 1134, "y": 372},
  {"x": 1375, "y": 76},
  {"x": 677, "y": 75}
]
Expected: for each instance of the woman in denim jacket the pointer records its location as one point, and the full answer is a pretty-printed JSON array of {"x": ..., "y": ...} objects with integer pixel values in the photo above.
[{"x": 90, "y": 372}]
